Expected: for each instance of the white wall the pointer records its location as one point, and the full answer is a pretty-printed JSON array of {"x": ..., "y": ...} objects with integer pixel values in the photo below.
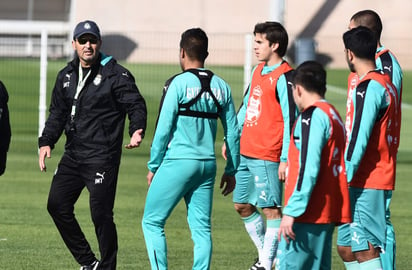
[{"x": 227, "y": 21}]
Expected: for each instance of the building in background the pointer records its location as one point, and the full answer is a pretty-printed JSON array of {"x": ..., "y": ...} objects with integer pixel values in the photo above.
[{"x": 148, "y": 31}]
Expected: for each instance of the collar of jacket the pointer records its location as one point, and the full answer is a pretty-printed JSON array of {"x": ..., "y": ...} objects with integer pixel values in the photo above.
[{"x": 103, "y": 61}]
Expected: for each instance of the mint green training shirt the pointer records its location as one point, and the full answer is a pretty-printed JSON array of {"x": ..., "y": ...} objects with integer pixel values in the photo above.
[{"x": 187, "y": 137}]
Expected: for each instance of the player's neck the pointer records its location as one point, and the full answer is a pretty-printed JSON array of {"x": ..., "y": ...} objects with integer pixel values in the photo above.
[
  {"x": 311, "y": 99},
  {"x": 193, "y": 65},
  {"x": 365, "y": 67},
  {"x": 275, "y": 59}
]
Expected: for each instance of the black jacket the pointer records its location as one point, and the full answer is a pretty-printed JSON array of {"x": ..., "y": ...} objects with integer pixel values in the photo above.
[
  {"x": 95, "y": 133},
  {"x": 5, "y": 130}
]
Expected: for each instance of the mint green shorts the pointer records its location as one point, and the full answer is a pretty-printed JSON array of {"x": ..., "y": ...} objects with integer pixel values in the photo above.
[
  {"x": 257, "y": 183},
  {"x": 369, "y": 221},
  {"x": 311, "y": 249}
]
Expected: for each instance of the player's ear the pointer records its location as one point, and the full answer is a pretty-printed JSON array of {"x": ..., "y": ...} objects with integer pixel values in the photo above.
[
  {"x": 349, "y": 54},
  {"x": 275, "y": 46},
  {"x": 182, "y": 53},
  {"x": 298, "y": 89}
]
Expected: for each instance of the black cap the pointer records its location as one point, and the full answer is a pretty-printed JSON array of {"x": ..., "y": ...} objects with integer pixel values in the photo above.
[{"x": 86, "y": 27}]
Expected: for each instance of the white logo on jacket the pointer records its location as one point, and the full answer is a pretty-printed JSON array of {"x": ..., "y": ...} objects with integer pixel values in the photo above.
[
  {"x": 66, "y": 84},
  {"x": 306, "y": 121},
  {"x": 362, "y": 94},
  {"x": 97, "y": 80}
]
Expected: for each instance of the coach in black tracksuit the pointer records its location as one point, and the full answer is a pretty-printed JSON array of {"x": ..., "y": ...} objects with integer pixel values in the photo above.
[
  {"x": 5, "y": 130},
  {"x": 90, "y": 100}
]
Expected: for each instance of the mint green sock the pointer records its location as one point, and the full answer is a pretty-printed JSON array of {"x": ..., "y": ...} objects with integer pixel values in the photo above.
[
  {"x": 374, "y": 264},
  {"x": 354, "y": 265},
  {"x": 251, "y": 218},
  {"x": 255, "y": 227},
  {"x": 273, "y": 223}
]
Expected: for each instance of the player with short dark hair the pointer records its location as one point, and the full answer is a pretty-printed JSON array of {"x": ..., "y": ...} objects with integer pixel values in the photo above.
[
  {"x": 384, "y": 58},
  {"x": 276, "y": 34},
  {"x": 316, "y": 190},
  {"x": 265, "y": 118},
  {"x": 387, "y": 62},
  {"x": 370, "y": 155},
  {"x": 182, "y": 161},
  {"x": 195, "y": 44}
]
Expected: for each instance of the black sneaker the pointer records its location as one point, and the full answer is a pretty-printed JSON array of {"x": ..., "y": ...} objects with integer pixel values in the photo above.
[
  {"x": 257, "y": 265},
  {"x": 92, "y": 266}
]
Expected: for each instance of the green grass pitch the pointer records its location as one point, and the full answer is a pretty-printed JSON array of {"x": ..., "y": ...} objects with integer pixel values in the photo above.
[{"x": 29, "y": 239}]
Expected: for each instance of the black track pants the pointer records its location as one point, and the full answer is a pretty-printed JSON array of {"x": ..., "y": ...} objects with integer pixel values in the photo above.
[{"x": 67, "y": 185}]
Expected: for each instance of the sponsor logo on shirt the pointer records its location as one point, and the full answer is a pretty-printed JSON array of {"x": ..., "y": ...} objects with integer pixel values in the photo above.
[{"x": 254, "y": 108}]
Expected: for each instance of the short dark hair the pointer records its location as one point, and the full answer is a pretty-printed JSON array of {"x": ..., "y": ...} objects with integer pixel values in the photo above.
[
  {"x": 361, "y": 41},
  {"x": 194, "y": 42},
  {"x": 312, "y": 76},
  {"x": 369, "y": 19},
  {"x": 275, "y": 33}
]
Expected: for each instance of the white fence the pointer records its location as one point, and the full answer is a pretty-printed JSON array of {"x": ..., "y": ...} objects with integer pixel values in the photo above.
[
  {"x": 48, "y": 40},
  {"x": 22, "y": 38}
]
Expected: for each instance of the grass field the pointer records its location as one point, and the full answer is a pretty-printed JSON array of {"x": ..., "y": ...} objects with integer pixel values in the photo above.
[{"x": 29, "y": 239}]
